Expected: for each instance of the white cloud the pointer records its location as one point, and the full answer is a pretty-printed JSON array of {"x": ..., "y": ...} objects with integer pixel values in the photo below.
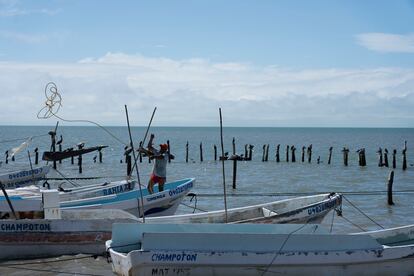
[
  {"x": 189, "y": 92},
  {"x": 11, "y": 8},
  {"x": 24, "y": 37},
  {"x": 382, "y": 42}
]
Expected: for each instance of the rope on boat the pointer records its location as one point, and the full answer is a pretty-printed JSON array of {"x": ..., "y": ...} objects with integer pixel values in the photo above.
[
  {"x": 353, "y": 205},
  {"x": 282, "y": 246},
  {"x": 357, "y": 193},
  {"x": 54, "y": 102}
]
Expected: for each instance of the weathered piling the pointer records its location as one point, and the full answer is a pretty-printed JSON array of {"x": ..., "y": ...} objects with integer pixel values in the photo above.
[
  {"x": 53, "y": 144},
  {"x": 128, "y": 160},
  {"x": 7, "y": 156},
  {"x": 59, "y": 143},
  {"x": 251, "y": 152},
  {"x": 389, "y": 188},
  {"x": 345, "y": 152},
  {"x": 233, "y": 143},
  {"x": 13, "y": 158},
  {"x": 246, "y": 157},
  {"x": 404, "y": 154},
  {"x": 267, "y": 153},
  {"x": 140, "y": 153},
  {"x": 278, "y": 153},
  {"x": 186, "y": 152},
  {"x": 385, "y": 158},
  {"x": 394, "y": 158},
  {"x": 80, "y": 146},
  {"x": 287, "y": 153},
  {"x": 201, "y": 152},
  {"x": 303, "y": 154},
  {"x": 36, "y": 151},
  {"x": 234, "y": 157},
  {"x": 380, "y": 162},
  {"x": 100, "y": 155},
  {"x": 215, "y": 152},
  {"x": 310, "y": 153},
  {"x": 330, "y": 155},
  {"x": 263, "y": 154},
  {"x": 293, "y": 149},
  {"x": 169, "y": 151},
  {"x": 361, "y": 157},
  {"x": 94, "y": 159},
  {"x": 318, "y": 160}
]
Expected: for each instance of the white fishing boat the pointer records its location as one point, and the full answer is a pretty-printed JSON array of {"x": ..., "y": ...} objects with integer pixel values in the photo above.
[
  {"x": 23, "y": 178},
  {"x": 251, "y": 249},
  {"x": 303, "y": 209},
  {"x": 402, "y": 235},
  {"x": 54, "y": 232},
  {"x": 157, "y": 204}
]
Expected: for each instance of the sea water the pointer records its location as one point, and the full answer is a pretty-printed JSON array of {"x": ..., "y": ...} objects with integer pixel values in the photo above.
[{"x": 257, "y": 181}]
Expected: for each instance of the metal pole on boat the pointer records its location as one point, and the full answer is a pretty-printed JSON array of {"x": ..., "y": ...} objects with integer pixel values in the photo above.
[
  {"x": 8, "y": 200},
  {"x": 222, "y": 162},
  {"x": 143, "y": 141},
  {"x": 135, "y": 160}
]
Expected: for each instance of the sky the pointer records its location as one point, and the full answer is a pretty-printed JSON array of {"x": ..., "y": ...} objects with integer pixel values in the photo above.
[{"x": 264, "y": 63}]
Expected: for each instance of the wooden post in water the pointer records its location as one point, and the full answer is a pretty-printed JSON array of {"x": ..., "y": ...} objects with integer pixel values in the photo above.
[
  {"x": 293, "y": 149},
  {"x": 394, "y": 160},
  {"x": 330, "y": 155},
  {"x": 310, "y": 153},
  {"x": 318, "y": 160},
  {"x": 287, "y": 153},
  {"x": 169, "y": 151},
  {"x": 36, "y": 151},
  {"x": 380, "y": 163},
  {"x": 60, "y": 146},
  {"x": 129, "y": 164},
  {"x": 389, "y": 188},
  {"x": 186, "y": 152},
  {"x": 201, "y": 151},
  {"x": 139, "y": 153},
  {"x": 53, "y": 144},
  {"x": 251, "y": 152},
  {"x": 345, "y": 153},
  {"x": 233, "y": 143},
  {"x": 267, "y": 153},
  {"x": 263, "y": 154},
  {"x": 234, "y": 170},
  {"x": 361, "y": 157},
  {"x": 215, "y": 152},
  {"x": 7, "y": 156},
  {"x": 100, "y": 155},
  {"x": 386, "y": 158},
  {"x": 80, "y": 146},
  {"x": 278, "y": 153},
  {"x": 303, "y": 154},
  {"x": 246, "y": 157},
  {"x": 404, "y": 154}
]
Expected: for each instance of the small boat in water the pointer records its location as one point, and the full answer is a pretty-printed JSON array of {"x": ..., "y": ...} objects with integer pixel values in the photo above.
[
  {"x": 251, "y": 249},
  {"x": 305, "y": 209},
  {"x": 16, "y": 179},
  {"x": 104, "y": 197}
]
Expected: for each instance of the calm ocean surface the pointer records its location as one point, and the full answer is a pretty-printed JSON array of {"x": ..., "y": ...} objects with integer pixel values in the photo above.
[{"x": 253, "y": 177}]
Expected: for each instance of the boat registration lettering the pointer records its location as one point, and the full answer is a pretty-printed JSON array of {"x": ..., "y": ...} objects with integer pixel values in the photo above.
[
  {"x": 118, "y": 189},
  {"x": 25, "y": 173},
  {"x": 181, "y": 189},
  {"x": 165, "y": 257},
  {"x": 155, "y": 197},
  {"x": 322, "y": 207},
  {"x": 170, "y": 271},
  {"x": 25, "y": 227}
]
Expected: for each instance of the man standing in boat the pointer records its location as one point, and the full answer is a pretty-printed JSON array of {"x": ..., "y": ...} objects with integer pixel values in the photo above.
[{"x": 159, "y": 170}]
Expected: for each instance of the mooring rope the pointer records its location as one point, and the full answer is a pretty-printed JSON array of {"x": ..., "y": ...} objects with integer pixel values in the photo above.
[{"x": 353, "y": 205}]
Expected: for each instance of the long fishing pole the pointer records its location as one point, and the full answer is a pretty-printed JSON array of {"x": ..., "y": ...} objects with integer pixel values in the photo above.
[
  {"x": 145, "y": 136},
  {"x": 135, "y": 164},
  {"x": 222, "y": 161}
]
